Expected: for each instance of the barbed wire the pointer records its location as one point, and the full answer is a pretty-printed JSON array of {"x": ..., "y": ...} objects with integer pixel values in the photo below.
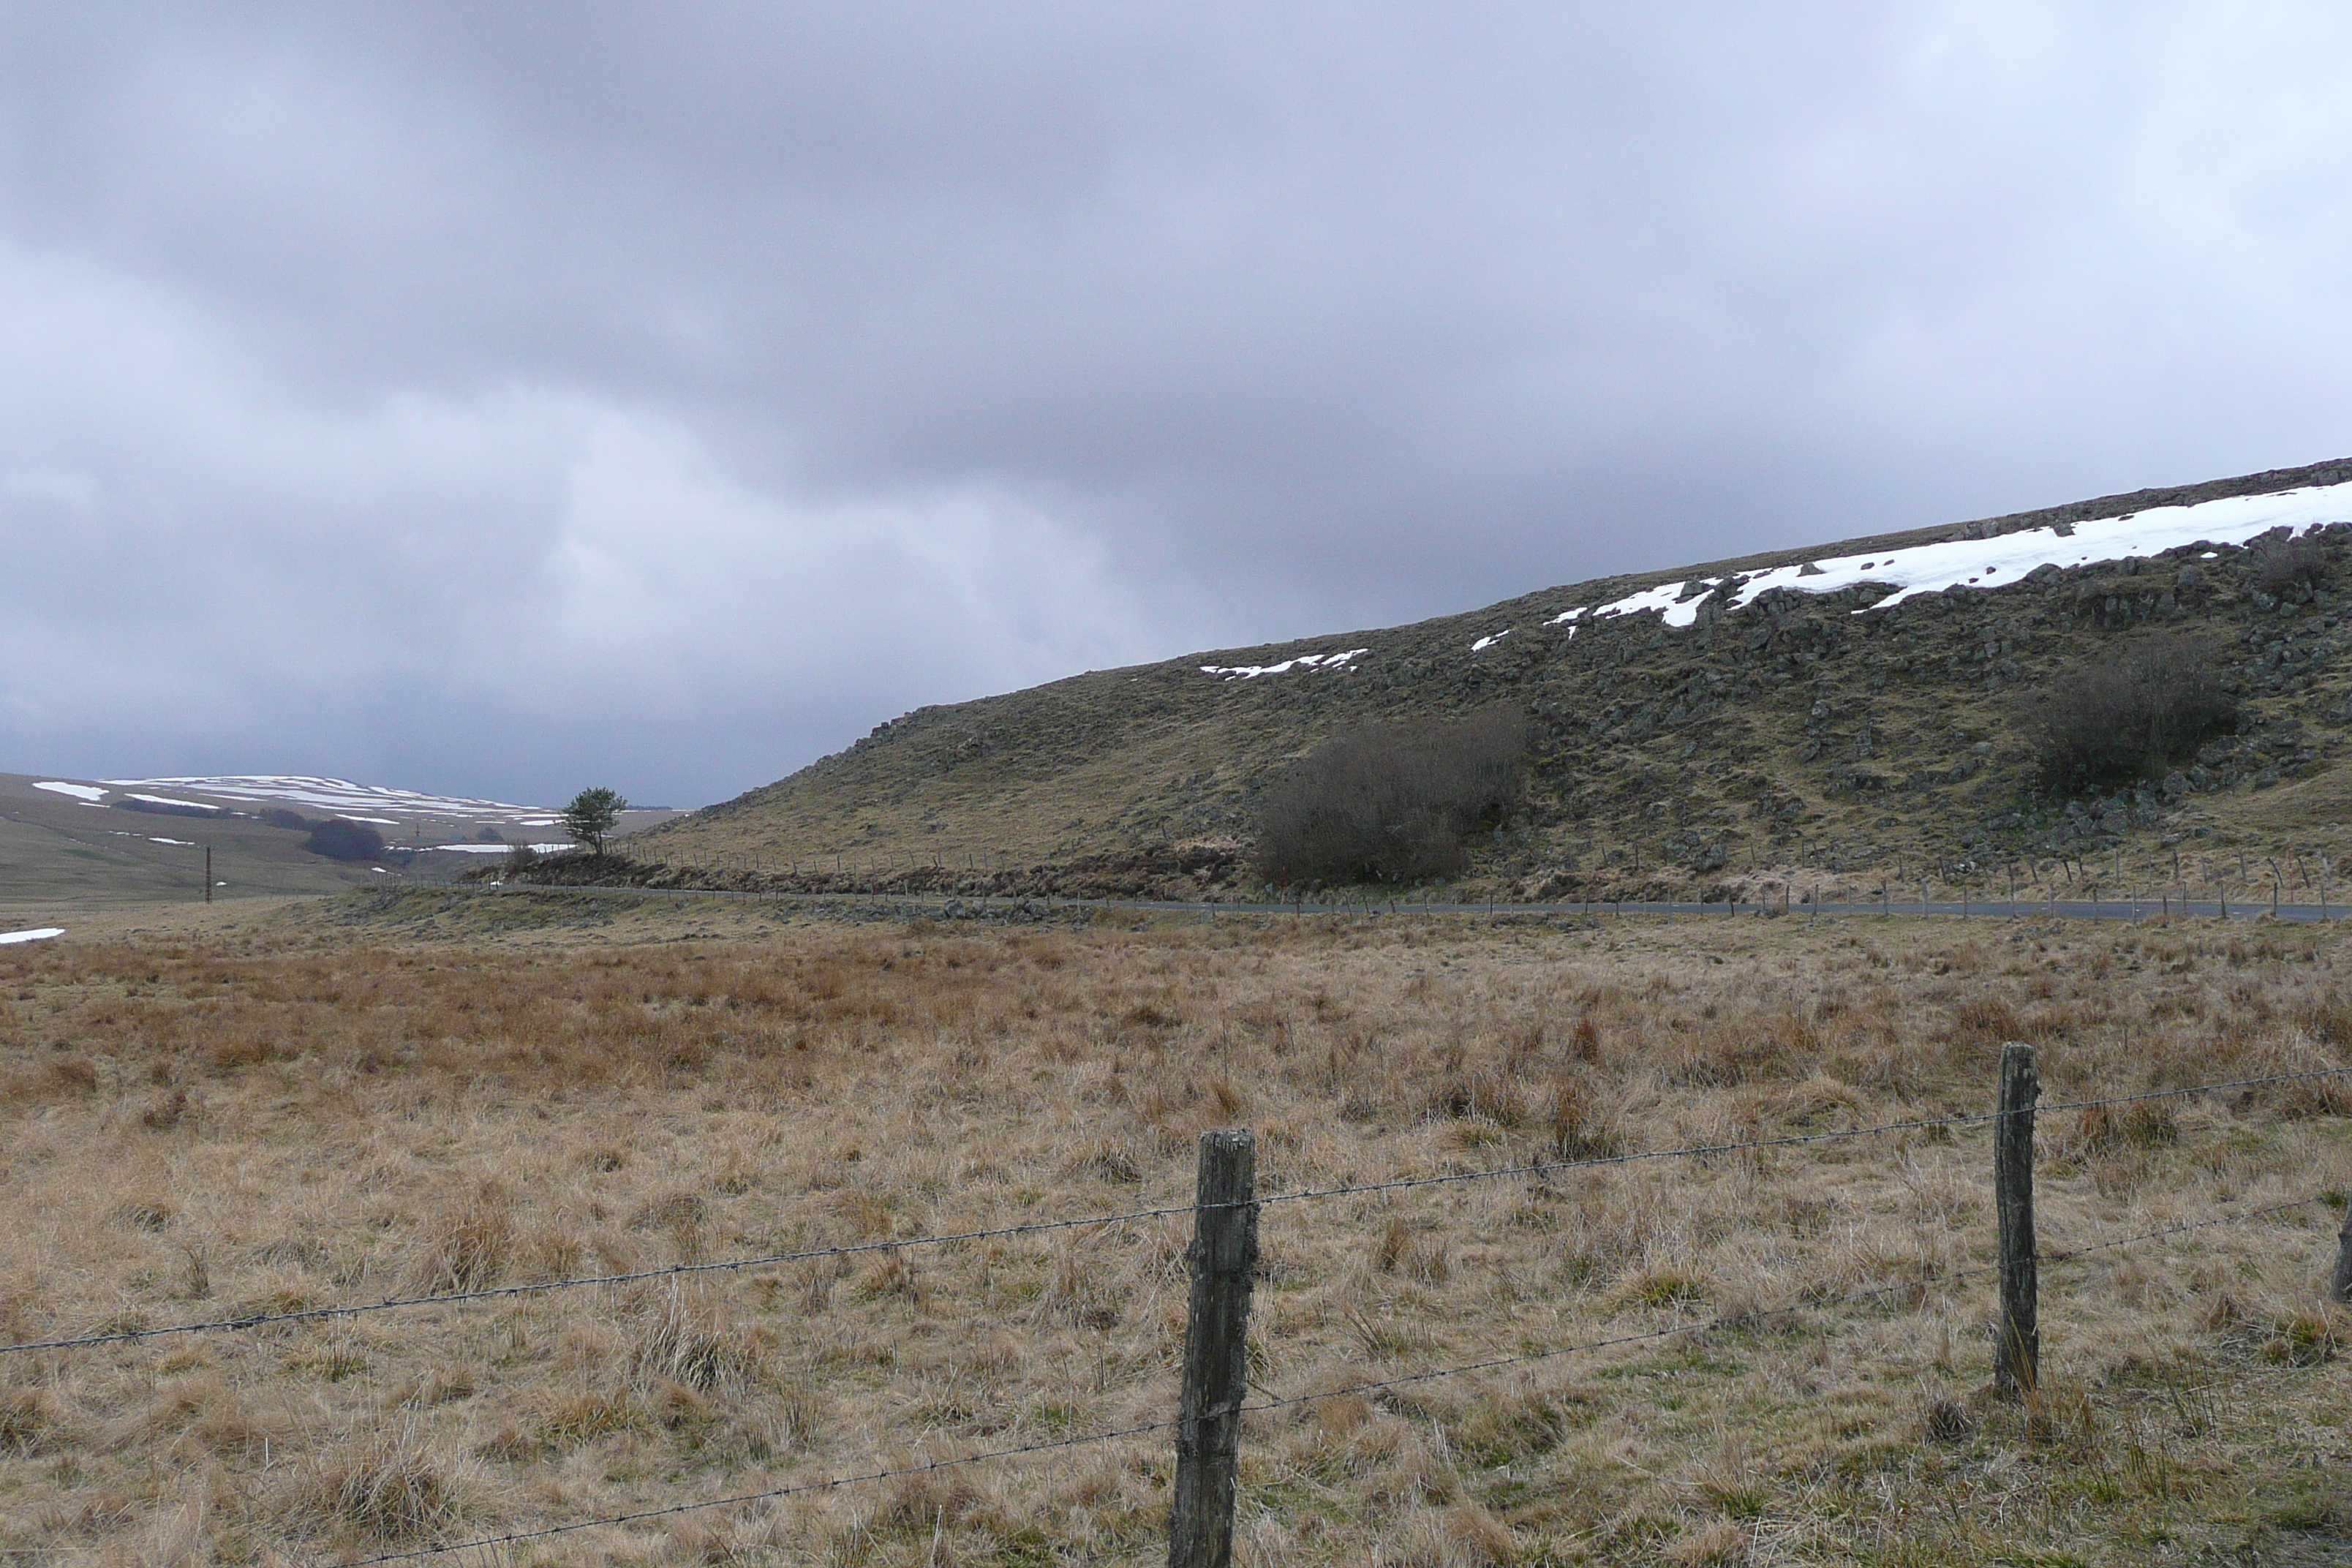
[
  {"x": 246, "y": 1321},
  {"x": 1753, "y": 1315},
  {"x": 2178, "y": 1228},
  {"x": 1791, "y": 1139},
  {"x": 667, "y": 1271},
  {"x": 2239, "y": 1376},
  {"x": 1721, "y": 1321}
]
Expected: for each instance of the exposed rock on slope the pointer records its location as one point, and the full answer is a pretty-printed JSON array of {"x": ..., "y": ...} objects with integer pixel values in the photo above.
[{"x": 1837, "y": 707}]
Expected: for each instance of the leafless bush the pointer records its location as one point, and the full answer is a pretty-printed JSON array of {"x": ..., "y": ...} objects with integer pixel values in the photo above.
[
  {"x": 2291, "y": 564},
  {"x": 2111, "y": 720},
  {"x": 1390, "y": 803},
  {"x": 339, "y": 840}
]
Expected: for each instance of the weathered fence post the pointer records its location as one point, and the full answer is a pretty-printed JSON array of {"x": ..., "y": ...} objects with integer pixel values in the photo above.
[
  {"x": 2339, "y": 1284},
  {"x": 2018, "y": 1355},
  {"x": 1208, "y": 1411}
]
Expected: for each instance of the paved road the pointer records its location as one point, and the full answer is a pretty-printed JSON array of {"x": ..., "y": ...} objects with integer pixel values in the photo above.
[{"x": 2060, "y": 909}]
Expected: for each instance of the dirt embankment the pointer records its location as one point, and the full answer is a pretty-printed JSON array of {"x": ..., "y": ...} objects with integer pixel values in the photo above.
[{"x": 1209, "y": 873}]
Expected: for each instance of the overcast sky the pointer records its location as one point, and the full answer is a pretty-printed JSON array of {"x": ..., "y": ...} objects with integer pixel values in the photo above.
[{"x": 498, "y": 399}]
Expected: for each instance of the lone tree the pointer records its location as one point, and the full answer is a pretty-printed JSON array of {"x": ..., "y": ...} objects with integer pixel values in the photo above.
[{"x": 591, "y": 815}]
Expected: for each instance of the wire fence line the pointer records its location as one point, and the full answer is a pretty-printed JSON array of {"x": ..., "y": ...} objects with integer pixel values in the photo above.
[
  {"x": 1719, "y": 1323},
  {"x": 1753, "y": 1315},
  {"x": 252, "y": 1321},
  {"x": 667, "y": 1271},
  {"x": 1785, "y": 1140},
  {"x": 2178, "y": 1228}
]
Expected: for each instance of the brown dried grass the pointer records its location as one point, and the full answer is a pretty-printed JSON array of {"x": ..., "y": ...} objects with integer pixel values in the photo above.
[{"x": 277, "y": 1115}]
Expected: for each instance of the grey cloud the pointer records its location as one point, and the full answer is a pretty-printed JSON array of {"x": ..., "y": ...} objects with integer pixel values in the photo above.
[{"x": 698, "y": 383}]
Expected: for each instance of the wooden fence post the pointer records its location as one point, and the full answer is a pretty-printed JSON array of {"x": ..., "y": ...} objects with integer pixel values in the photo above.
[
  {"x": 2016, "y": 1357},
  {"x": 1208, "y": 1412},
  {"x": 2339, "y": 1285}
]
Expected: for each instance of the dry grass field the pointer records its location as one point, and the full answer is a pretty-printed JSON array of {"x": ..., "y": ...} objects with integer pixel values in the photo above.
[{"x": 263, "y": 1109}]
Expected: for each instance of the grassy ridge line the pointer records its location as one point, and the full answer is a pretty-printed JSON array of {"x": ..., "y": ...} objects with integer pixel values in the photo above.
[{"x": 1787, "y": 737}]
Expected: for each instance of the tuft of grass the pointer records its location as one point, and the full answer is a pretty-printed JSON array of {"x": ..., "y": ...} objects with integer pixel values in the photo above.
[
  {"x": 687, "y": 1337},
  {"x": 390, "y": 1488}
]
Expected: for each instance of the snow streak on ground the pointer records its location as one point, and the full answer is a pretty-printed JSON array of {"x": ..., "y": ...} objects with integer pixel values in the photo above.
[
  {"x": 42, "y": 935},
  {"x": 86, "y": 794}
]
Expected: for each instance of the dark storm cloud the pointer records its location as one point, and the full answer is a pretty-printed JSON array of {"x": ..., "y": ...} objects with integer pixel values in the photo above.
[{"x": 495, "y": 397}]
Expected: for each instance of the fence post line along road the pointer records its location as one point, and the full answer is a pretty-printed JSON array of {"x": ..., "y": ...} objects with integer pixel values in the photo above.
[
  {"x": 1780, "y": 897},
  {"x": 2016, "y": 1357},
  {"x": 1216, "y": 1337}
]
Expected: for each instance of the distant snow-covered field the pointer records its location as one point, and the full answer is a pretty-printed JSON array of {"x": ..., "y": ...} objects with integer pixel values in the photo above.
[{"x": 341, "y": 797}]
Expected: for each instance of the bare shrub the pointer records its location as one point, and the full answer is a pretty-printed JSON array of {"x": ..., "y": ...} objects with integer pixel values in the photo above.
[
  {"x": 2289, "y": 564},
  {"x": 2111, "y": 720},
  {"x": 339, "y": 840},
  {"x": 1390, "y": 803}
]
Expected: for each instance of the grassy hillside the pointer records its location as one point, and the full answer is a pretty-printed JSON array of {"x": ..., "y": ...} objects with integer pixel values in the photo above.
[{"x": 1785, "y": 739}]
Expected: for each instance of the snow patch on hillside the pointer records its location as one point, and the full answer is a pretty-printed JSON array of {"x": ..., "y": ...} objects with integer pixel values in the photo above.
[
  {"x": 2006, "y": 558},
  {"x": 500, "y": 848},
  {"x": 169, "y": 800},
  {"x": 1303, "y": 661}
]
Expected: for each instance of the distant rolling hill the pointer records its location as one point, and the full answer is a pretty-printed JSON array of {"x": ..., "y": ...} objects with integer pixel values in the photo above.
[
  {"x": 66, "y": 841},
  {"x": 1848, "y": 710}
]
